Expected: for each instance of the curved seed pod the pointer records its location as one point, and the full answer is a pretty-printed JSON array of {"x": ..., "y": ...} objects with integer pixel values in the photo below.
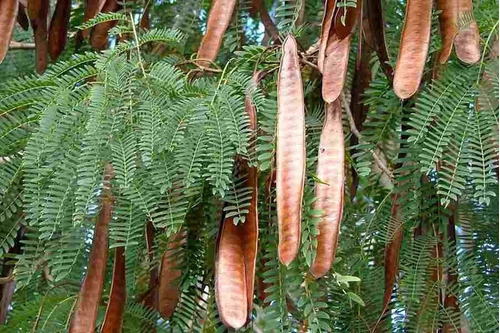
[
  {"x": 92, "y": 8},
  {"x": 377, "y": 25},
  {"x": 58, "y": 31},
  {"x": 330, "y": 196},
  {"x": 8, "y": 14},
  {"x": 350, "y": 15},
  {"x": 86, "y": 309},
  {"x": 39, "y": 24},
  {"x": 330, "y": 6},
  {"x": 113, "y": 319},
  {"x": 170, "y": 274},
  {"x": 391, "y": 255},
  {"x": 218, "y": 21},
  {"x": 22, "y": 18},
  {"x": 448, "y": 25},
  {"x": 467, "y": 38},
  {"x": 335, "y": 68},
  {"x": 230, "y": 277},
  {"x": 290, "y": 152},
  {"x": 413, "y": 49},
  {"x": 34, "y": 7},
  {"x": 99, "y": 35}
]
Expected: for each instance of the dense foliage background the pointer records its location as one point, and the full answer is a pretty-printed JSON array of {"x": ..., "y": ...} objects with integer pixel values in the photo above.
[{"x": 171, "y": 129}]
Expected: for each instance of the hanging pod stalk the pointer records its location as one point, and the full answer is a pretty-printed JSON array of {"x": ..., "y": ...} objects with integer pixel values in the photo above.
[
  {"x": 170, "y": 274},
  {"x": 290, "y": 152},
  {"x": 218, "y": 20},
  {"x": 58, "y": 31},
  {"x": 113, "y": 319},
  {"x": 8, "y": 14},
  {"x": 467, "y": 39},
  {"x": 87, "y": 306},
  {"x": 329, "y": 193},
  {"x": 413, "y": 48},
  {"x": 448, "y": 25}
]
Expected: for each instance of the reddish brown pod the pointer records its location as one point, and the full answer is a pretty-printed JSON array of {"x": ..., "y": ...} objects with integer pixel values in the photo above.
[
  {"x": 113, "y": 319},
  {"x": 345, "y": 20},
  {"x": 22, "y": 17},
  {"x": 38, "y": 11},
  {"x": 330, "y": 192},
  {"x": 413, "y": 48},
  {"x": 377, "y": 26},
  {"x": 448, "y": 25},
  {"x": 58, "y": 31},
  {"x": 92, "y": 8},
  {"x": 218, "y": 20},
  {"x": 8, "y": 14},
  {"x": 328, "y": 14},
  {"x": 290, "y": 152},
  {"x": 86, "y": 309},
  {"x": 99, "y": 35},
  {"x": 170, "y": 274},
  {"x": 335, "y": 67},
  {"x": 467, "y": 39}
]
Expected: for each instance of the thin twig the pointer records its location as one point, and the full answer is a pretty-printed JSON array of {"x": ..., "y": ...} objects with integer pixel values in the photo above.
[
  {"x": 21, "y": 46},
  {"x": 201, "y": 68},
  {"x": 357, "y": 134},
  {"x": 137, "y": 44}
]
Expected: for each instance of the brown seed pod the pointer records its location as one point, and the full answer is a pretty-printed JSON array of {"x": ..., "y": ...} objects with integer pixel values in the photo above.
[
  {"x": 38, "y": 16},
  {"x": 22, "y": 18},
  {"x": 99, "y": 35},
  {"x": 335, "y": 67},
  {"x": 290, "y": 152},
  {"x": 170, "y": 274},
  {"x": 113, "y": 319},
  {"x": 330, "y": 6},
  {"x": 377, "y": 27},
  {"x": 58, "y": 31},
  {"x": 448, "y": 25},
  {"x": 391, "y": 255},
  {"x": 467, "y": 38},
  {"x": 218, "y": 20},
  {"x": 87, "y": 306},
  {"x": 8, "y": 14},
  {"x": 34, "y": 7},
  {"x": 145, "y": 22},
  {"x": 413, "y": 48},
  {"x": 92, "y": 8},
  {"x": 350, "y": 16},
  {"x": 330, "y": 194}
]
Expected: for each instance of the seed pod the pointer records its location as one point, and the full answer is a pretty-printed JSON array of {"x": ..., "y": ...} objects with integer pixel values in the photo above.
[
  {"x": 335, "y": 68},
  {"x": 87, "y": 306},
  {"x": 377, "y": 27},
  {"x": 113, "y": 319},
  {"x": 467, "y": 39},
  {"x": 34, "y": 7},
  {"x": 330, "y": 194},
  {"x": 290, "y": 152},
  {"x": 391, "y": 255},
  {"x": 345, "y": 20},
  {"x": 99, "y": 35},
  {"x": 218, "y": 21},
  {"x": 448, "y": 25},
  {"x": 330, "y": 6},
  {"x": 22, "y": 18},
  {"x": 145, "y": 22},
  {"x": 413, "y": 48},
  {"x": 170, "y": 274},
  {"x": 92, "y": 8},
  {"x": 8, "y": 14},
  {"x": 59, "y": 25}
]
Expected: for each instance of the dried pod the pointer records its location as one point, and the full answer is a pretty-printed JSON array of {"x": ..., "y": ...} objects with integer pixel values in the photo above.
[
  {"x": 290, "y": 152},
  {"x": 86, "y": 309},
  {"x": 345, "y": 20},
  {"x": 92, "y": 8},
  {"x": 467, "y": 38},
  {"x": 8, "y": 14},
  {"x": 22, "y": 17},
  {"x": 335, "y": 67},
  {"x": 38, "y": 11},
  {"x": 145, "y": 22},
  {"x": 448, "y": 25},
  {"x": 413, "y": 48},
  {"x": 170, "y": 274},
  {"x": 218, "y": 20},
  {"x": 99, "y": 35},
  {"x": 113, "y": 319},
  {"x": 377, "y": 27},
  {"x": 58, "y": 31},
  {"x": 330, "y": 193},
  {"x": 330, "y": 6}
]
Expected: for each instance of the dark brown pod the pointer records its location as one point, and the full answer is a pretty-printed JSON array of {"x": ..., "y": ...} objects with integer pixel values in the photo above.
[
  {"x": 8, "y": 14},
  {"x": 92, "y": 8},
  {"x": 377, "y": 27},
  {"x": 350, "y": 15},
  {"x": 99, "y": 35},
  {"x": 22, "y": 18},
  {"x": 113, "y": 319},
  {"x": 38, "y": 10},
  {"x": 170, "y": 274},
  {"x": 145, "y": 22},
  {"x": 58, "y": 31}
]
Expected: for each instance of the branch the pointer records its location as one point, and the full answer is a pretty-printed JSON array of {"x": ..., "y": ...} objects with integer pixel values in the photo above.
[
  {"x": 357, "y": 134},
  {"x": 21, "y": 46},
  {"x": 268, "y": 23},
  {"x": 6, "y": 279}
]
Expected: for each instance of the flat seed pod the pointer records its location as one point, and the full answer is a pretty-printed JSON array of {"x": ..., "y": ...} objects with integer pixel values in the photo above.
[
  {"x": 170, "y": 274},
  {"x": 290, "y": 152},
  {"x": 330, "y": 6},
  {"x": 34, "y": 7},
  {"x": 99, "y": 35},
  {"x": 113, "y": 319},
  {"x": 22, "y": 18},
  {"x": 391, "y": 255},
  {"x": 58, "y": 31},
  {"x": 39, "y": 8},
  {"x": 345, "y": 20},
  {"x": 8, "y": 14},
  {"x": 377, "y": 27},
  {"x": 335, "y": 68},
  {"x": 218, "y": 20},
  {"x": 86, "y": 309},
  {"x": 413, "y": 48},
  {"x": 92, "y": 8},
  {"x": 467, "y": 39},
  {"x": 330, "y": 194},
  {"x": 448, "y": 25}
]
